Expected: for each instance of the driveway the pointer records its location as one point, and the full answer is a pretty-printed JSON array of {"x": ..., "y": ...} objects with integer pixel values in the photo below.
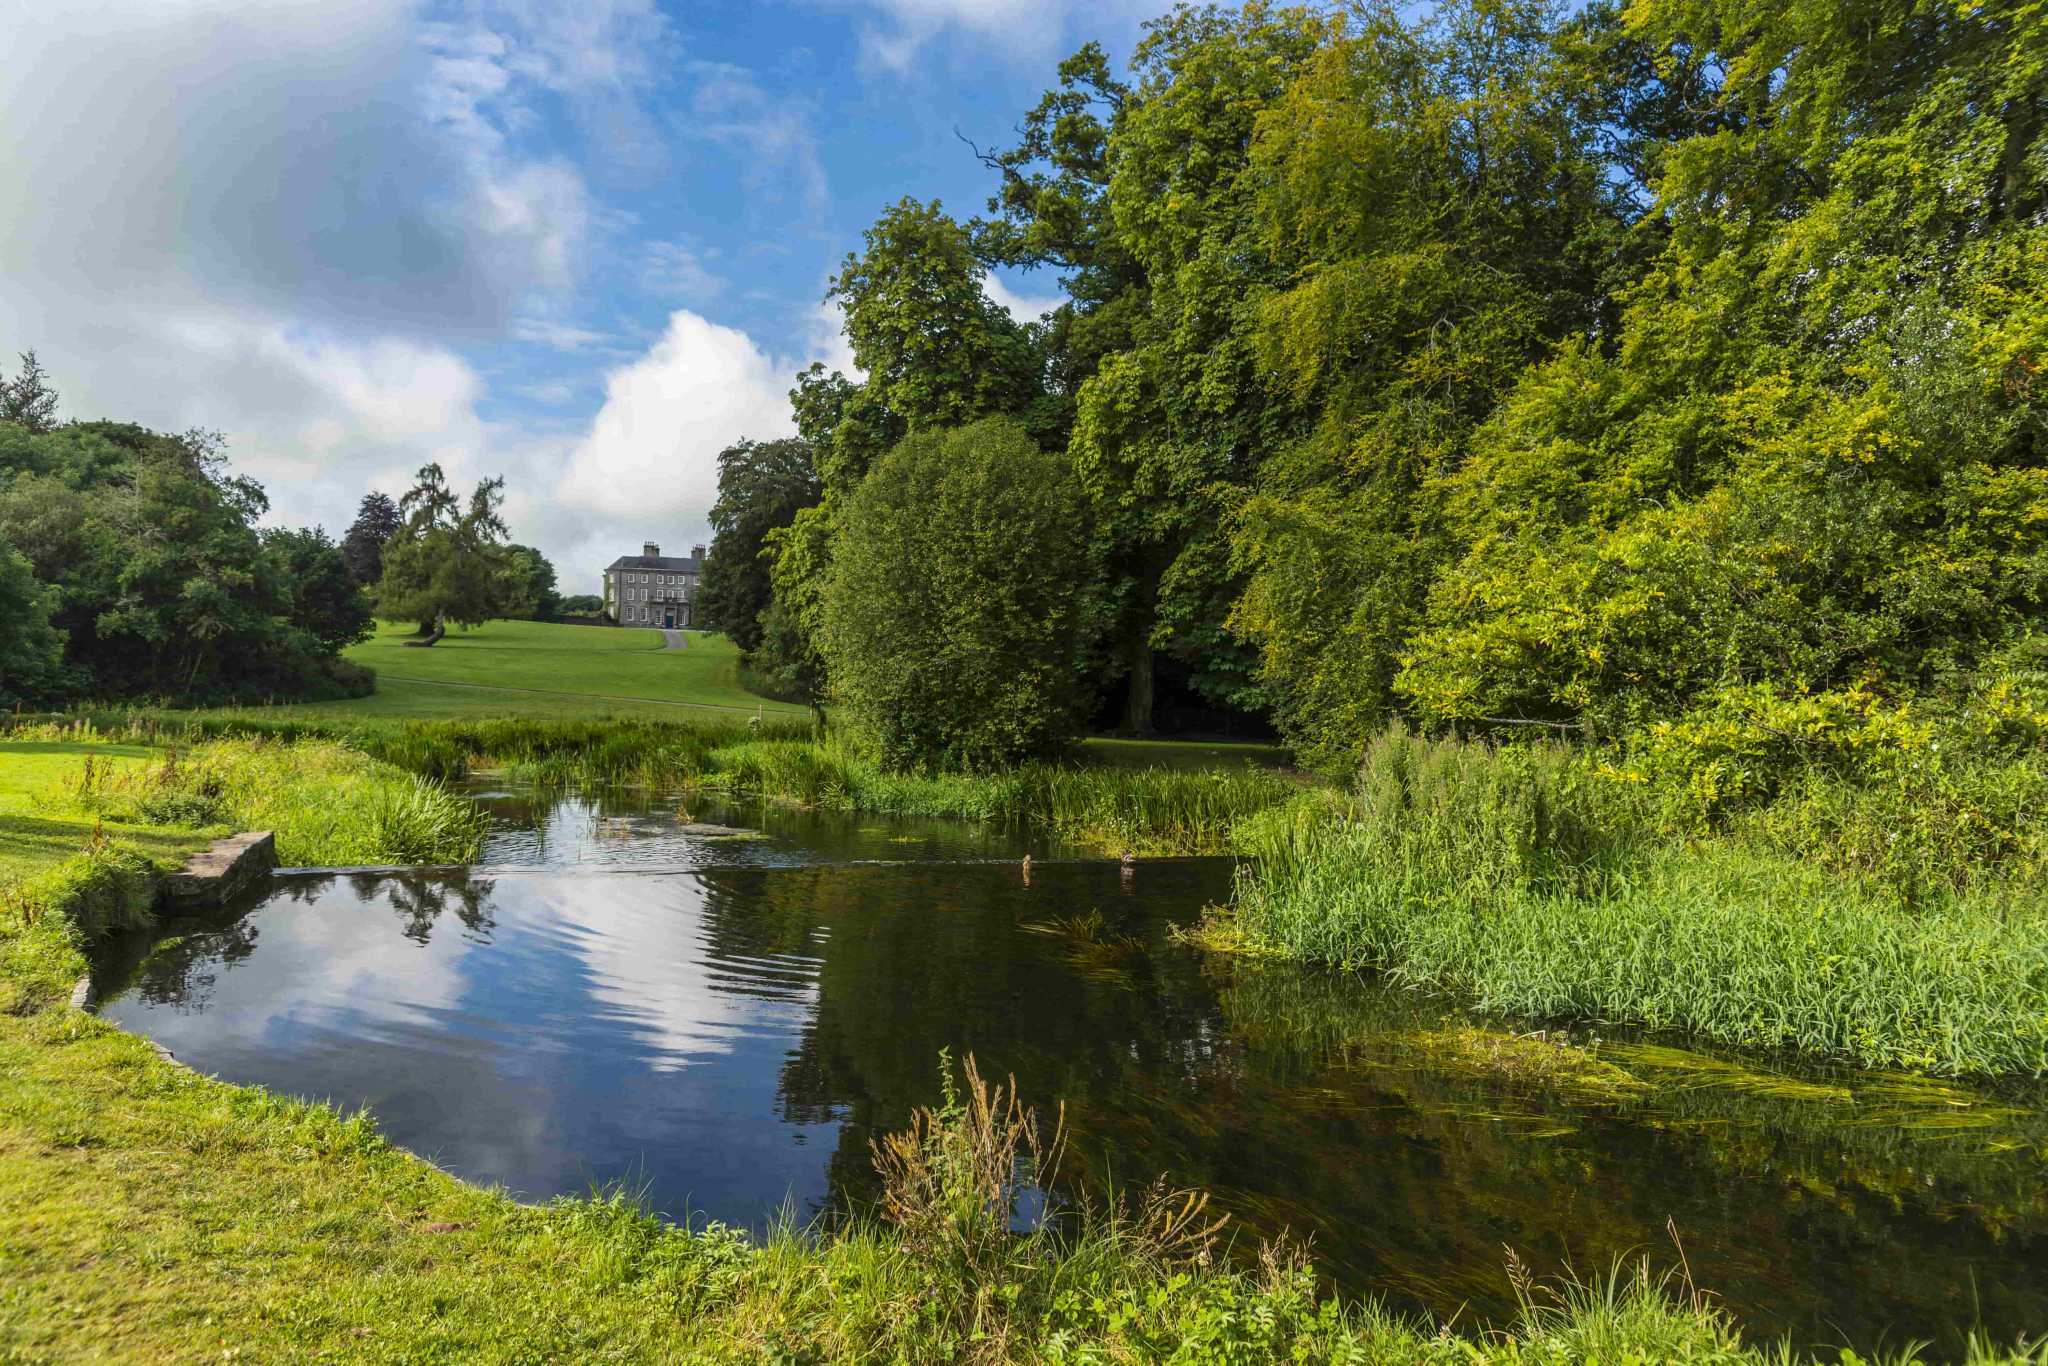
[{"x": 676, "y": 639}]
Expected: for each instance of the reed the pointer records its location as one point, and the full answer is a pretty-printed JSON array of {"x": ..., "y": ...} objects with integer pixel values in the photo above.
[
  {"x": 1530, "y": 887},
  {"x": 1147, "y": 811}
]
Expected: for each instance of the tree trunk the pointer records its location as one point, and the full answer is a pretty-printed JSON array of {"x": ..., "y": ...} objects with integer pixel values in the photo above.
[
  {"x": 432, "y": 632},
  {"x": 1138, "y": 696}
]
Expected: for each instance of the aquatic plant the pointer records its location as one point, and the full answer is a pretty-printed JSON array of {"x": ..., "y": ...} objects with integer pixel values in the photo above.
[{"x": 1530, "y": 889}]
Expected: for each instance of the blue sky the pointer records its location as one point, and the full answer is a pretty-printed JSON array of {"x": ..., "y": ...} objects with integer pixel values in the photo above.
[{"x": 583, "y": 245}]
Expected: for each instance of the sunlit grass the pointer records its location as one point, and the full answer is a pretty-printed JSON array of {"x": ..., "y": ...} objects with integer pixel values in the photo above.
[{"x": 1512, "y": 882}]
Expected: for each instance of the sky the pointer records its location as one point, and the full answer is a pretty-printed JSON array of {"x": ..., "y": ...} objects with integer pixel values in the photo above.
[{"x": 582, "y": 244}]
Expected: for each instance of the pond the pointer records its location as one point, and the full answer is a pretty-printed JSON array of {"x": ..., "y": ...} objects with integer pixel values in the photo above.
[{"x": 621, "y": 993}]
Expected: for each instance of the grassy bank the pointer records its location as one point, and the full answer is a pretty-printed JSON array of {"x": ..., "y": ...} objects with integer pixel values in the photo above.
[
  {"x": 1111, "y": 805},
  {"x": 147, "y": 1213},
  {"x": 150, "y": 1214},
  {"x": 1530, "y": 882}
]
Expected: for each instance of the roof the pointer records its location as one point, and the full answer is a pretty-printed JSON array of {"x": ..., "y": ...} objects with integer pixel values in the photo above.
[{"x": 673, "y": 564}]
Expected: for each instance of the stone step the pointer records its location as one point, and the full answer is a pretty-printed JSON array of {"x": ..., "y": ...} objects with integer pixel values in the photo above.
[{"x": 214, "y": 874}]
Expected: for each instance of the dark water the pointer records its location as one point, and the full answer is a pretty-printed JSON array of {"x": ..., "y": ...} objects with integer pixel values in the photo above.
[{"x": 731, "y": 1037}]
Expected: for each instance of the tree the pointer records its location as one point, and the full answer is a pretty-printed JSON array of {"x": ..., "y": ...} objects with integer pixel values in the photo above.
[
  {"x": 582, "y": 605},
  {"x": 1146, "y": 200},
  {"x": 163, "y": 585},
  {"x": 27, "y": 400},
  {"x": 762, "y": 485},
  {"x": 530, "y": 585},
  {"x": 31, "y": 649},
  {"x": 937, "y": 350},
  {"x": 446, "y": 563},
  {"x": 954, "y": 617},
  {"x": 362, "y": 549},
  {"x": 327, "y": 603}
]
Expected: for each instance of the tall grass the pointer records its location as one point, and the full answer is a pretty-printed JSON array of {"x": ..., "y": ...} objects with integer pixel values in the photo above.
[
  {"x": 1527, "y": 883},
  {"x": 328, "y": 804},
  {"x": 1149, "y": 811},
  {"x": 1114, "y": 808}
]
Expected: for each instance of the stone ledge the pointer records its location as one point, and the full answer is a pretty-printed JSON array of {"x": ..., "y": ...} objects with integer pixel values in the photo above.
[{"x": 214, "y": 874}]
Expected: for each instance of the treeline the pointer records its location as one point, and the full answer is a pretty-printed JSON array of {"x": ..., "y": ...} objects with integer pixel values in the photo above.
[
  {"x": 132, "y": 566},
  {"x": 1669, "y": 375}
]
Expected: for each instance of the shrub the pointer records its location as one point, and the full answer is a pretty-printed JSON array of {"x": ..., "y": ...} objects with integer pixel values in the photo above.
[{"x": 953, "y": 617}]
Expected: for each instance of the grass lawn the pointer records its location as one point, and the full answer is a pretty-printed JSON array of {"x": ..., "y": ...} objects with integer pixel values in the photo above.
[
  {"x": 37, "y": 831},
  {"x": 539, "y": 668}
]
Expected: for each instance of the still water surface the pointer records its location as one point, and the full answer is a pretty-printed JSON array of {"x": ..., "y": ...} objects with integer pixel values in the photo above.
[{"x": 726, "y": 1021}]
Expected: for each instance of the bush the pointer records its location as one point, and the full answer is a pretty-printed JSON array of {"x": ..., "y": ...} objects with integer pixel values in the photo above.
[{"x": 953, "y": 615}]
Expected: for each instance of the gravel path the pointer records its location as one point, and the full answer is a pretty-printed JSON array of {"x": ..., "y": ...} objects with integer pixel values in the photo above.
[{"x": 676, "y": 639}]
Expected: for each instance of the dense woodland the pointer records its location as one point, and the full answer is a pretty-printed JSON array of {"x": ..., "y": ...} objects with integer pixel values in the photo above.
[
  {"x": 131, "y": 565},
  {"x": 1667, "y": 375}
]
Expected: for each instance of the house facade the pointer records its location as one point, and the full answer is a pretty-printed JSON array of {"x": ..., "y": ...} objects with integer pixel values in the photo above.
[{"x": 653, "y": 589}]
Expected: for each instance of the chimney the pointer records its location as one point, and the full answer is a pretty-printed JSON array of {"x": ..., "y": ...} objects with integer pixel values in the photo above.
[
  {"x": 697, "y": 553},
  {"x": 651, "y": 550}
]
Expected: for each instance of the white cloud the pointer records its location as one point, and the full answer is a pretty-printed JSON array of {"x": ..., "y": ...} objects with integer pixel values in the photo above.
[
  {"x": 676, "y": 270},
  {"x": 553, "y": 332},
  {"x": 650, "y": 458},
  {"x": 553, "y": 393},
  {"x": 1025, "y": 308},
  {"x": 1026, "y": 30}
]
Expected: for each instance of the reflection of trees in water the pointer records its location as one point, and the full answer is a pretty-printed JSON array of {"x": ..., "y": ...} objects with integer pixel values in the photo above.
[
  {"x": 181, "y": 971},
  {"x": 421, "y": 901},
  {"x": 920, "y": 959},
  {"x": 177, "y": 963},
  {"x": 1303, "y": 1101}
]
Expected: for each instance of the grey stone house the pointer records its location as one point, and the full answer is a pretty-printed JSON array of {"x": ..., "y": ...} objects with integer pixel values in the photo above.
[{"x": 652, "y": 589}]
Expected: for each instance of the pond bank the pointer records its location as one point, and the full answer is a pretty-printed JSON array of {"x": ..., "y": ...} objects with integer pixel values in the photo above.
[
  {"x": 226, "y": 1217},
  {"x": 1527, "y": 885}
]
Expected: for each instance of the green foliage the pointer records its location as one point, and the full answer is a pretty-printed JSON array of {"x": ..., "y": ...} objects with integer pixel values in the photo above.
[
  {"x": 103, "y": 890},
  {"x": 27, "y": 400},
  {"x": 161, "y": 583},
  {"x": 762, "y": 486},
  {"x": 446, "y": 563},
  {"x": 1540, "y": 882},
  {"x": 31, "y": 650},
  {"x": 937, "y": 350},
  {"x": 952, "y": 618},
  {"x": 529, "y": 588},
  {"x": 1503, "y": 368},
  {"x": 377, "y": 520},
  {"x": 327, "y": 603}
]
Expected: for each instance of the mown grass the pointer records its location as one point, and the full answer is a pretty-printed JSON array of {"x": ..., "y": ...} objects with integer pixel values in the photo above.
[
  {"x": 1524, "y": 882},
  {"x": 36, "y": 832},
  {"x": 563, "y": 670}
]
